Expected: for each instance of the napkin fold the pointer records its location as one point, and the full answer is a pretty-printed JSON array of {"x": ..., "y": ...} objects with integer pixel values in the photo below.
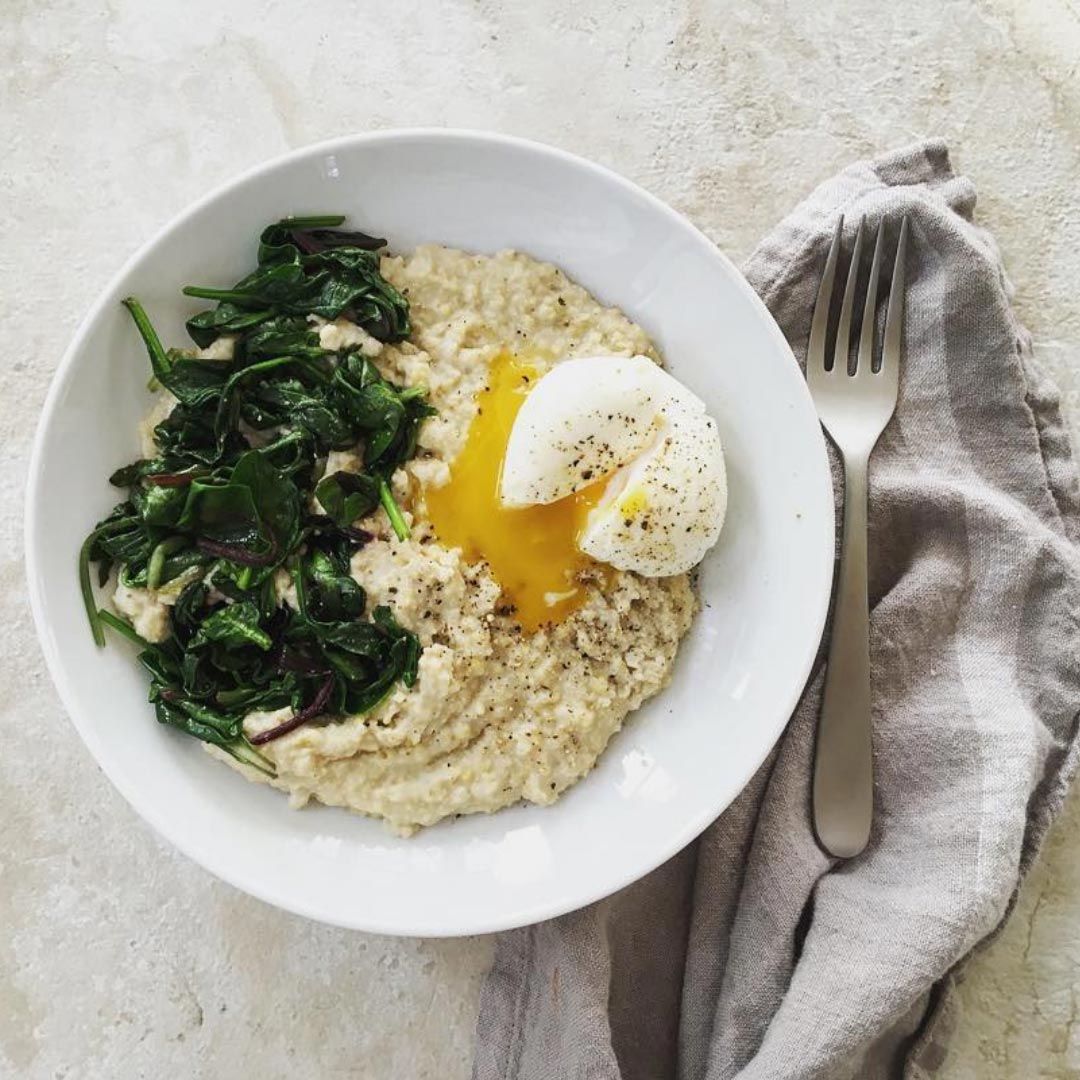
[{"x": 751, "y": 954}]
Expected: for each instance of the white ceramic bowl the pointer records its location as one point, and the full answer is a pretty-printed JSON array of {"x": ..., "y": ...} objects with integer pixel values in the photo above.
[{"x": 764, "y": 589}]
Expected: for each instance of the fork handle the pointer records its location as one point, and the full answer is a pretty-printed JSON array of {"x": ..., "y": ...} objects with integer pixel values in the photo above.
[{"x": 843, "y": 765}]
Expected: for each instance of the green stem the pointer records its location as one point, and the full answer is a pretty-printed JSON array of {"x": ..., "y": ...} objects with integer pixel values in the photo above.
[
  {"x": 254, "y": 369},
  {"x": 313, "y": 221},
  {"x": 85, "y": 585},
  {"x": 393, "y": 511},
  {"x": 241, "y": 299},
  {"x": 158, "y": 557},
  {"x": 228, "y": 698},
  {"x": 246, "y": 754},
  {"x": 158, "y": 360},
  {"x": 122, "y": 628},
  {"x": 301, "y": 589},
  {"x": 285, "y": 440}
]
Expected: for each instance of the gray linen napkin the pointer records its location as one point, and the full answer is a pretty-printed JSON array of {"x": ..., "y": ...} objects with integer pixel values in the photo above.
[{"x": 751, "y": 954}]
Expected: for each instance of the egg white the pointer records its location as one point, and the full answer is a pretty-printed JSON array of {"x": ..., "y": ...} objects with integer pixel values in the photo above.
[{"x": 626, "y": 419}]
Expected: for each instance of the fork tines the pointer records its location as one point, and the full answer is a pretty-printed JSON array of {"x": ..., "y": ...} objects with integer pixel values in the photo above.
[{"x": 839, "y": 362}]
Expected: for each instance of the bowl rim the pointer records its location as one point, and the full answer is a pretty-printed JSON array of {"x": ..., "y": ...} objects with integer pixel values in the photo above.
[{"x": 155, "y": 816}]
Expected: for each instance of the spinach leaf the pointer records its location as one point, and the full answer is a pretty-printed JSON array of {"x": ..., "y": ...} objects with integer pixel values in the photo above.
[
  {"x": 229, "y": 400},
  {"x": 186, "y": 613},
  {"x": 359, "y": 638},
  {"x": 188, "y": 437},
  {"x": 127, "y": 475},
  {"x": 256, "y": 509},
  {"x": 363, "y": 697},
  {"x": 311, "y": 240},
  {"x": 204, "y": 724},
  {"x": 233, "y": 625},
  {"x": 158, "y": 504},
  {"x": 406, "y": 641},
  {"x": 124, "y": 540},
  {"x": 311, "y": 234},
  {"x": 290, "y": 401},
  {"x": 206, "y": 327},
  {"x": 327, "y": 592},
  {"x": 347, "y": 497},
  {"x": 225, "y": 512},
  {"x": 389, "y": 419},
  {"x": 276, "y": 498},
  {"x": 307, "y": 270},
  {"x": 283, "y": 335},
  {"x": 388, "y": 416}
]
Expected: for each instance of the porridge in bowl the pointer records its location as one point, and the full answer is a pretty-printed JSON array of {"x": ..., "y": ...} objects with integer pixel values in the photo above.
[{"x": 411, "y": 534}]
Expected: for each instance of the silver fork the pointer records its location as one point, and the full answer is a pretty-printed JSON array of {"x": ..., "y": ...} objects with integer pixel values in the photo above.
[{"x": 854, "y": 408}]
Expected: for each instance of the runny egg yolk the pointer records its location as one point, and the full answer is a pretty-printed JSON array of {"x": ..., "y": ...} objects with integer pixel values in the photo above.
[{"x": 532, "y": 551}]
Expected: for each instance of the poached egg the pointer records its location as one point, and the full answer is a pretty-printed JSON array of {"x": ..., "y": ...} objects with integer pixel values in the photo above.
[
  {"x": 603, "y": 461},
  {"x": 626, "y": 421}
]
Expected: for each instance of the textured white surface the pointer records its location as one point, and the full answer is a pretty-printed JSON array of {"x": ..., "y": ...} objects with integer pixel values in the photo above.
[{"x": 120, "y": 959}]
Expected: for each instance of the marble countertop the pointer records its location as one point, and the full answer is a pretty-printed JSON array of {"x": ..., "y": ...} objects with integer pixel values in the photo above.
[{"x": 118, "y": 957}]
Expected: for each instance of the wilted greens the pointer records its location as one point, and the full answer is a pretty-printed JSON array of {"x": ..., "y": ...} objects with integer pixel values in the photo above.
[{"x": 223, "y": 515}]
